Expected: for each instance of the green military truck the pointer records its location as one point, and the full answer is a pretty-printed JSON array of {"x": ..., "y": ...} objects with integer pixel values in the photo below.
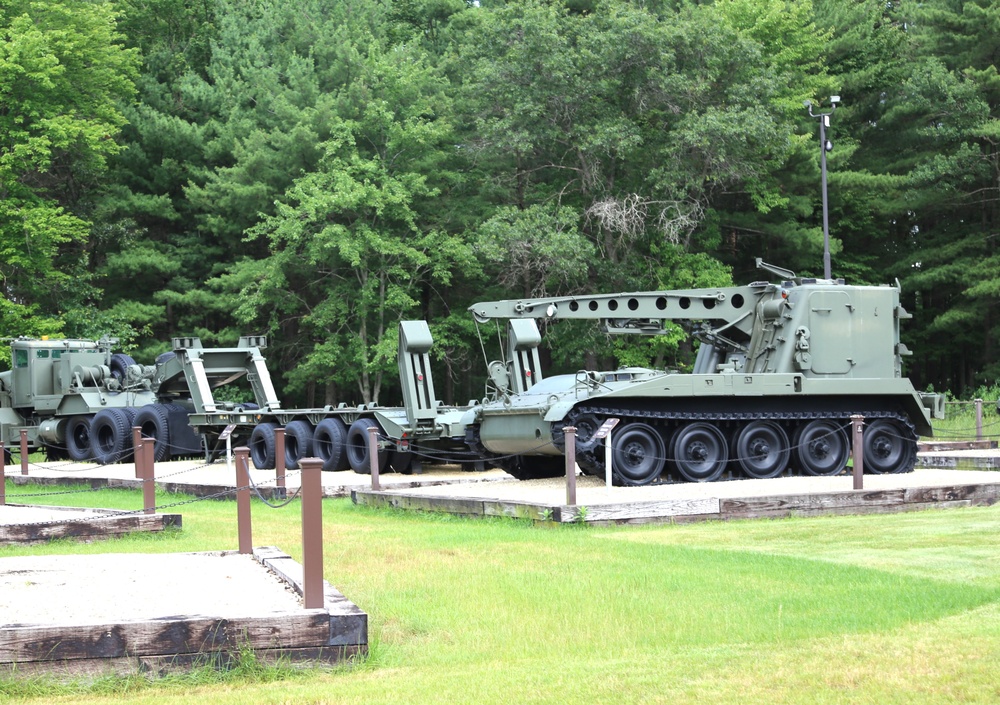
[{"x": 78, "y": 399}]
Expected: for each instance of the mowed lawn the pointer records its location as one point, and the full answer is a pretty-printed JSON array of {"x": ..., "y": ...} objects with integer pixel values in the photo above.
[{"x": 897, "y": 608}]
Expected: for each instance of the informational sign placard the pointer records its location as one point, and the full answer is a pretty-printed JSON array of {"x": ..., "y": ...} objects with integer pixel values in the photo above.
[{"x": 605, "y": 428}]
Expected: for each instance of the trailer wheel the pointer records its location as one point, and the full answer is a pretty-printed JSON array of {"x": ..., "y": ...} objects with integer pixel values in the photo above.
[
  {"x": 298, "y": 442},
  {"x": 78, "y": 438},
  {"x": 400, "y": 461},
  {"x": 154, "y": 422},
  {"x": 330, "y": 444},
  {"x": 262, "y": 445},
  {"x": 120, "y": 362},
  {"x": 357, "y": 447},
  {"x": 111, "y": 436}
]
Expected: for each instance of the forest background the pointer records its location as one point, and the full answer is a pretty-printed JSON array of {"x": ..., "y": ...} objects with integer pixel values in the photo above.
[{"x": 318, "y": 170}]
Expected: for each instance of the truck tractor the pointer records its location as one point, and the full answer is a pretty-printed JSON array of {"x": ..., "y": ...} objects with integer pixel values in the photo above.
[
  {"x": 781, "y": 368},
  {"x": 78, "y": 400}
]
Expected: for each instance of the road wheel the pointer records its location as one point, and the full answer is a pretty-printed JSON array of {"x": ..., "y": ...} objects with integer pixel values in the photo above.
[
  {"x": 638, "y": 455},
  {"x": 761, "y": 449},
  {"x": 889, "y": 448},
  {"x": 821, "y": 448},
  {"x": 700, "y": 452}
]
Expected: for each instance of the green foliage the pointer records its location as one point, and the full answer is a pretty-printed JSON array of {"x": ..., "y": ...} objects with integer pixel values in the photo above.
[
  {"x": 536, "y": 251},
  {"x": 347, "y": 238},
  {"x": 62, "y": 72},
  {"x": 318, "y": 171}
]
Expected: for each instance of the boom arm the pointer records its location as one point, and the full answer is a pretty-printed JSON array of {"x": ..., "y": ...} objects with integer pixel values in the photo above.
[{"x": 642, "y": 312}]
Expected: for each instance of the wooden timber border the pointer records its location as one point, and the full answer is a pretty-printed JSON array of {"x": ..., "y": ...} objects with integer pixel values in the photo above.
[
  {"x": 226, "y": 491},
  {"x": 700, "y": 509},
  {"x": 334, "y": 633},
  {"x": 81, "y": 524}
]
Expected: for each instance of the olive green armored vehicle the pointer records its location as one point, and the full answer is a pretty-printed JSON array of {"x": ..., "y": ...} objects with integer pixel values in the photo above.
[{"x": 781, "y": 368}]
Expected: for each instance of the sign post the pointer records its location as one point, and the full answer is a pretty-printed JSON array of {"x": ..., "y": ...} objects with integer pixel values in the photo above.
[
  {"x": 226, "y": 436},
  {"x": 605, "y": 432}
]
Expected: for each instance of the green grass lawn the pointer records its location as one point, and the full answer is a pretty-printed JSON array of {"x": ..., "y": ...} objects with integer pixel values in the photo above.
[{"x": 876, "y": 609}]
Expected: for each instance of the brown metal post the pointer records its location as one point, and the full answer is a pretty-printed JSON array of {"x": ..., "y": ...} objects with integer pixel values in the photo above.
[
  {"x": 857, "y": 426},
  {"x": 312, "y": 533},
  {"x": 979, "y": 419},
  {"x": 279, "y": 456},
  {"x": 243, "y": 499},
  {"x": 373, "y": 455},
  {"x": 24, "y": 451},
  {"x": 137, "y": 450},
  {"x": 3, "y": 474},
  {"x": 570, "y": 438},
  {"x": 148, "y": 475}
]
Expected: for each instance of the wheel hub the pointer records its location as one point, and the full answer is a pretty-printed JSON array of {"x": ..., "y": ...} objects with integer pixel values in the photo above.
[
  {"x": 698, "y": 451},
  {"x": 820, "y": 449},
  {"x": 635, "y": 454},
  {"x": 760, "y": 449},
  {"x": 882, "y": 447}
]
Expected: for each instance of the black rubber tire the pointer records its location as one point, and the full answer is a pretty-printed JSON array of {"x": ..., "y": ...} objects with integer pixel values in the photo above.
[
  {"x": 120, "y": 362},
  {"x": 400, "y": 461},
  {"x": 534, "y": 467},
  {"x": 889, "y": 448},
  {"x": 298, "y": 443},
  {"x": 638, "y": 455},
  {"x": 111, "y": 436},
  {"x": 262, "y": 446},
  {"x": 820, "y": 448},
  {"x": 330, "y": 444},
  {"x": 78, "y": 438},
  {"x": 761, "y": 449},
  {"x": 165, "y": 357},
  {"x": 55, "y": 453},
  {"x": 699, "y": 452},
  {"x": 357, "y": 447},
  {"x": 154, "y": 422}
]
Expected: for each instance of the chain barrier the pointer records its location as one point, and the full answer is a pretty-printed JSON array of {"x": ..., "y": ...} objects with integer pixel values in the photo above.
[
  {"x": 159, "y": 507},
  {"x": 288, "y": 500}
]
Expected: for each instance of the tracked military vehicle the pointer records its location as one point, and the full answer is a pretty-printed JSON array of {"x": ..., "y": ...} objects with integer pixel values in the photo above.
[{"x": 781, "y": 368}]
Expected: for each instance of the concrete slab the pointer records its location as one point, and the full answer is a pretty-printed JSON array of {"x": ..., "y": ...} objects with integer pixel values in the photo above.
[
  {"x": 545, "y": 500},
  {"x": 157, "y": 612}
]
